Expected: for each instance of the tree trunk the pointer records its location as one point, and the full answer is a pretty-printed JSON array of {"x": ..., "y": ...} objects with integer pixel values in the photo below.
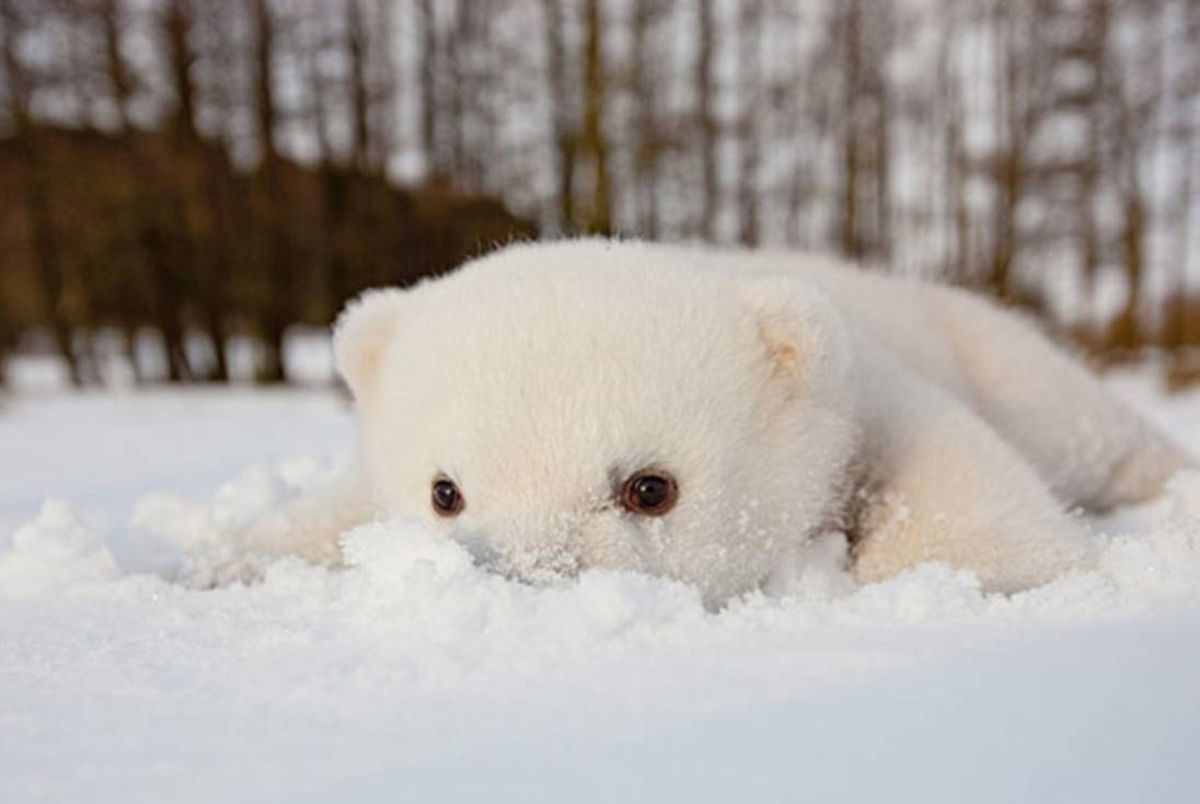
[
  {"x": 50, "y": 270},
  {"x": 751, "y": 157},
  {"x": 356, "y": 46},
  {"x": 129, "y": 344},
  {"x": 280, "y": 282},
  {"x": 594, "y": 143},
  {"x": 850, "y": 241},
  {"x": 563, "y": 133},
  {"x": 649, "y": 138},
  {"x": 957, "y": 261},
  {"x": 272, "y": 369},
  {"x": 429, "y": 70},
  {"x": 881, "y": 235},
  {"x": 1009, "y": 160},
  {"x": 705, "y": 96}
]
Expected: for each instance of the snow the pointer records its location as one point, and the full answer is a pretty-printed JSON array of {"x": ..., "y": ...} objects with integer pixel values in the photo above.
[
  {"x": 415, "y": 675},
  {"x": 105, "y": 451}
]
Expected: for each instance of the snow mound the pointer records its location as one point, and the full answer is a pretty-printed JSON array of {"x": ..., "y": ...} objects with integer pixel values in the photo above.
[
  {"x": 413, "y": 673},
  {"x": 53, "y": 554}
]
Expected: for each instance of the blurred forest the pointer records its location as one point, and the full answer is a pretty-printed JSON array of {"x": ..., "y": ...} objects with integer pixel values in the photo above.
[{"x": 193, "y": 171}]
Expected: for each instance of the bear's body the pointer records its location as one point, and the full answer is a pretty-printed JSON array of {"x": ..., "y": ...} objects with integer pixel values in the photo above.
[{"x": 783, "y": 395}]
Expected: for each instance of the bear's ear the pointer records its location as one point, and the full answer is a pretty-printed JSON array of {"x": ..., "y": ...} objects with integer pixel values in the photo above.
[
  {"x": 362, "y": 333},
  {"x": 803, "y": 337}
]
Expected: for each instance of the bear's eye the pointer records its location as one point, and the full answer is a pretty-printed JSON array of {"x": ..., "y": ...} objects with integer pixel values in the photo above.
[
  {"x": 650, "y": 492},
  {"x": 446, "y": 498}
]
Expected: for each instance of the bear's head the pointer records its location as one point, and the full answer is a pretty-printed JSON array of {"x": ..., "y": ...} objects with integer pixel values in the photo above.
[{"x": 591, "y": 404}]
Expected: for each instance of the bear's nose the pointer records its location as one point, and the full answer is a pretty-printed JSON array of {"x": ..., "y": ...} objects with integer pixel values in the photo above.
[
  {"x": 536, "y": 564},
  {"x": 536, "y": 549}
]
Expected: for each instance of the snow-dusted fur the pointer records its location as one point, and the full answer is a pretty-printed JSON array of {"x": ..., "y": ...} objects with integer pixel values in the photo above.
[{"x": 789, "y": 395}]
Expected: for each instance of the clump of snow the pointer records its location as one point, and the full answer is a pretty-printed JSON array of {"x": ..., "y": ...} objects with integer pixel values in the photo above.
[
  {"x": 412, "y": 673},
  {"x": 206, "y": 544},
  {"x": 54, "y": 553}
]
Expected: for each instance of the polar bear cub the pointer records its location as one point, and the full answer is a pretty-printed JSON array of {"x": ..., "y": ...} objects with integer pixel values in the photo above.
[{"x": 699, "y": 414}]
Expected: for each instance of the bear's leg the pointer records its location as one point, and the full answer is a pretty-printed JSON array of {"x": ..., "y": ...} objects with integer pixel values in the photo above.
[
  {"x": 945, "y": 487},
  {"x": 1089, "y": 448}
]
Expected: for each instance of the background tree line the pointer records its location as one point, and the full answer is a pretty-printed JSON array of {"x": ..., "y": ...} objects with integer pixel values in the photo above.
[{"x": 202, "y": 168}]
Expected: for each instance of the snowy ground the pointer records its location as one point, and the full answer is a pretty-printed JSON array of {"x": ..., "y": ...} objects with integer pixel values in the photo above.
[{"x": 414, "y": 676}]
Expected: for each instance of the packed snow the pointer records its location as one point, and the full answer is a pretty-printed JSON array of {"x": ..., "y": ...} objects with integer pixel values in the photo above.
[{"x": 413, "y": 674}]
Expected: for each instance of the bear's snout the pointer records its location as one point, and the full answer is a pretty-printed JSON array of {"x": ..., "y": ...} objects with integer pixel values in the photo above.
[{"x": 536, "y": 549}]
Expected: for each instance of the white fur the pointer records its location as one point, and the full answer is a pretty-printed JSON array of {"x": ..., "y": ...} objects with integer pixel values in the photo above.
[{"x": 788, "y": 395}]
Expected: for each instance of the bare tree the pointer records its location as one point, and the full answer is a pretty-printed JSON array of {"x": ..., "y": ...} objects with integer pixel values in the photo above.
[
  {"x": 1009, "y": 161},
  {"x": 563, "y": 130},
  {"x": 277, "y": 308},
  {"x": 360, "y": 90},
  {"x": 121, "y": 87},
  {"x": 593, "y": 143},
  {"x": 958, "y": 255},
  {"x": 1137, "y": 91},
  {"x": 210, "y": 262},
  {"x": 750, "y": 90},
  {"x": 50, "y": 269},
  {"x": 862, "y": 43},
  {"x": 430, "y": 65},
  {"x": 706, "y": 124},
  {"x": 1184, "y": 324},
  {"x": 848, "y": 30},
  {"x": 651, "y": 139},
  {"x": 121, "y": 83}
]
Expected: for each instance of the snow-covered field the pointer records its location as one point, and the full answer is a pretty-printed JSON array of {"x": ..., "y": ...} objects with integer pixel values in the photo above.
[{"x": 415, "y": 676}]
